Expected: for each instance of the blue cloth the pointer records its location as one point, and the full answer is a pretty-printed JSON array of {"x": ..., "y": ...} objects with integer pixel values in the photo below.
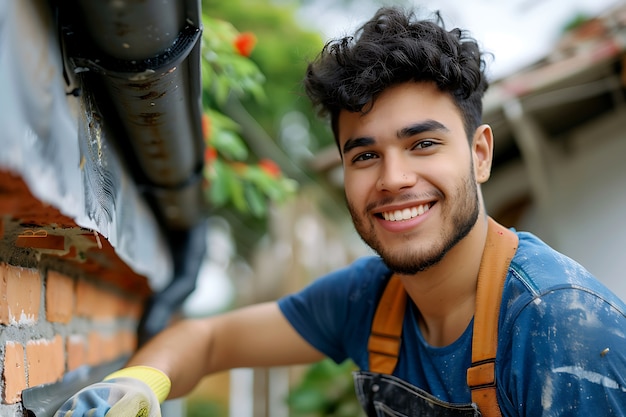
[
  {"x": 92, "y": 402},
  {"x": 562, "y": 335}
]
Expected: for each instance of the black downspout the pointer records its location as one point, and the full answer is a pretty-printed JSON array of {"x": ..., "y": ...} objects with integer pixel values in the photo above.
[{"x": 189, "y": 248}]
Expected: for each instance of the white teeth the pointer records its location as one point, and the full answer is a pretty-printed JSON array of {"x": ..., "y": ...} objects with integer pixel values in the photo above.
[{"x": 406, "y": 214}]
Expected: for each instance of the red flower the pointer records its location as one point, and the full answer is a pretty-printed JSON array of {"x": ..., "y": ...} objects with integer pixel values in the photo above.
[
  {"x": 270, "y": 167},
  {"x": 244, "y": 43},
  {"x": 210, "y": 154}
]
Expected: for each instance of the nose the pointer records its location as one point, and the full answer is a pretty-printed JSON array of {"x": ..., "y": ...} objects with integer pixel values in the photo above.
[{"x": 396, "y": 173}]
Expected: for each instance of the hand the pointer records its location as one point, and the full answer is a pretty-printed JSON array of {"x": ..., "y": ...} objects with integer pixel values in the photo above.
[{"x": 130, "y": 392}]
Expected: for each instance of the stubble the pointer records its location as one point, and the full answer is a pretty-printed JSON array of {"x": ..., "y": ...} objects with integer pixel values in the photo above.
[{"x": 459, "y": 214}]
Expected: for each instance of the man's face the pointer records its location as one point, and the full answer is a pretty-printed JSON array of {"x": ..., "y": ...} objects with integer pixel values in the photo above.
[{"x": 410, "y": 176}]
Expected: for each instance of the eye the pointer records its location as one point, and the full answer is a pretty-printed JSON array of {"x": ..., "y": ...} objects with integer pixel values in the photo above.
[
  {"x": 365, "y": 156},
  {"x": 423, "y": 144}
]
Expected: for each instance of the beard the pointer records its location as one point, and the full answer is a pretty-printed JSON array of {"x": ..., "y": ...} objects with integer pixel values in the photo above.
[{"x": 459, "y": 215}]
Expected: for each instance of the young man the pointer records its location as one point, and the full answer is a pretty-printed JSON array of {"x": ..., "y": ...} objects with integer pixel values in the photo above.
[{"x": 404, "y": 100}]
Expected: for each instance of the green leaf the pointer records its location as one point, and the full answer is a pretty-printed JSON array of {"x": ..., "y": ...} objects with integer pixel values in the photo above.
[
  {"x": 257, "y": 92},
  {"x": 256, "y": 200},
  {"x": 268, "y": 185},
  {"x": 237, "y": 196},
  {"x": 230, "y": 145},
  {"x": 221, "y": 121},
  {"x": 218, "y": 177},
  {"x": 221, "y": 87},
  {"x": 307, "y": 401}
]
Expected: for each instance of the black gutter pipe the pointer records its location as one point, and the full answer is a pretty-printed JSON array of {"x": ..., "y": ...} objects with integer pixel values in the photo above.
[{"x": 146, "y": 56}]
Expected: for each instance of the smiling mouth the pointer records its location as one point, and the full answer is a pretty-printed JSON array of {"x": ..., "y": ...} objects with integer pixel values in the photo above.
[{"x": 405, "y": 214}]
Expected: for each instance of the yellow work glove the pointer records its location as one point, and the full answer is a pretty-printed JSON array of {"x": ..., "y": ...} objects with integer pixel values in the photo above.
[{"x": 136, "y": 391}]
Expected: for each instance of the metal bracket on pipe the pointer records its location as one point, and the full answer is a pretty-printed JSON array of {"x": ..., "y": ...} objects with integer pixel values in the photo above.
[{"x": 187, "y": 39}]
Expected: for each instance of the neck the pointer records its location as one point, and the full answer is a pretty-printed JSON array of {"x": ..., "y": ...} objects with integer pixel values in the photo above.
[{"x": 445, "y": 294}]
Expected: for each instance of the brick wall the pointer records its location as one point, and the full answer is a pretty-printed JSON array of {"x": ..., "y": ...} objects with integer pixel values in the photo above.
[
  {"x": 63, "y": 306},
  {"x": 53, "y": 323}
]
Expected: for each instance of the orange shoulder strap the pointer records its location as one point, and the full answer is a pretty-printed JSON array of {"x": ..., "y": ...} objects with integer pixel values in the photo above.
[
  {"x": 384, "y": 341},
  {"x": 385, "y": 337},
  {"x": 500, "y": 248}
]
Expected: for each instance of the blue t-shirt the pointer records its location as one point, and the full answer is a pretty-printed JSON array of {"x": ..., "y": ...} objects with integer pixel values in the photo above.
[{"x": 562, "y": 335}]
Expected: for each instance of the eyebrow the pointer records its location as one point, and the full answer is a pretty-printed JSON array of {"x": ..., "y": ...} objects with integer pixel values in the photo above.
[
  {"x": 406, "y": 132},
  {"x": 421, "y": 127},
  {"x": 356, "y": 143}
]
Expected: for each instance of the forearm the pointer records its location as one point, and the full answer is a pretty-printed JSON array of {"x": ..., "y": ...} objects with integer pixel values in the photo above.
[
  {"x": 181, "y": 351},
  {"x": 254, "y": 336}
]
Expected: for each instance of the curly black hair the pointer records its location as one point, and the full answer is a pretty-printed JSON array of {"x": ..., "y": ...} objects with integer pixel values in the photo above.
[{"x": 391, "y": 48}]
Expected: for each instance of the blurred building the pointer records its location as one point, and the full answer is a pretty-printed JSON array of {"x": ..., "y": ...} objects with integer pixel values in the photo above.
[{"x": 560, "y": 134}]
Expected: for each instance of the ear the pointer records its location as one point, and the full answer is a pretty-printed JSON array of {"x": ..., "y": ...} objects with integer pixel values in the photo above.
[{"x": 482, "y": 152}]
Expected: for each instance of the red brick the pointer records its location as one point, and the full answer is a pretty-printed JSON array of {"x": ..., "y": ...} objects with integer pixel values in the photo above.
[
  {"x": 86, "y": 299},
  {"x": 103, "y": 348},
  {"x": 14, "y": 374},
  {"x": 30, "y": 239},
  {"x": 111, "y": 349},
  {"x": 94, "y": 349},
  {"x": 21, "y": 295},
  {"x": 59, "y": 298},
  {"x": 108, "y": 305},
  {"x": 94, "y": 302},
  {"x": 76, "y": 352},
  {"x": 46, "y": 361},
  {"x": 102, "y": 304}
]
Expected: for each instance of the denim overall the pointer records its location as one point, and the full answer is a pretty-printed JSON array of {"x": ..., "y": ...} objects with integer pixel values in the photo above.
[{"x": 382, "y": 394}]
